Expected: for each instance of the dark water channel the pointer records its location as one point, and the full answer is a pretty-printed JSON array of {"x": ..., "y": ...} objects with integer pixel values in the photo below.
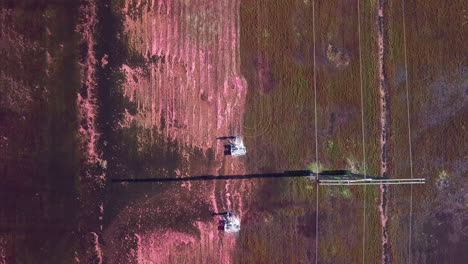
[{"x": 40, "y": 159}]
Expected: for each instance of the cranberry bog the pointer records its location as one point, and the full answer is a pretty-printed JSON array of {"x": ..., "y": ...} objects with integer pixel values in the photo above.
[{"x": 137, "y": 89}]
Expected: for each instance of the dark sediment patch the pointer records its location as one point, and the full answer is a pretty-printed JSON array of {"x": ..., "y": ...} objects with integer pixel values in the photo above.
[
  {"x": 337, "y": 56},
  {"x": 266, "y": 80},
  {"x": 338, "y": 119},
  {"x": 447, "y": 99}
]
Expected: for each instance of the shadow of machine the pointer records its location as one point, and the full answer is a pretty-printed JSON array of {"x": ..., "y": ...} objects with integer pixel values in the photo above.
[{"x": 332, "y": 177}]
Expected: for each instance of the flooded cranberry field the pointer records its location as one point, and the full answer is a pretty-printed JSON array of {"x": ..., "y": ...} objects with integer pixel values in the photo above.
[{"x": 108, "y": 106}]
